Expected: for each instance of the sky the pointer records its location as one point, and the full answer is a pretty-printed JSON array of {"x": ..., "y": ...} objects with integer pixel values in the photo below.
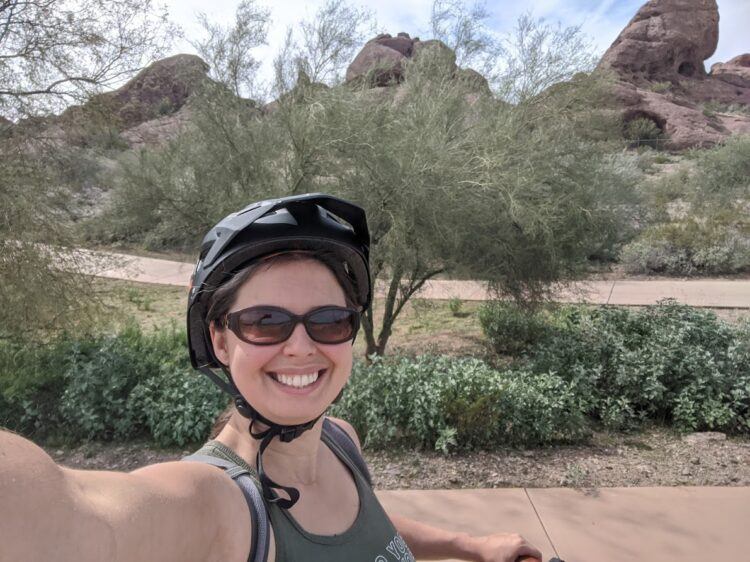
[{"x": 600, "y": 20}]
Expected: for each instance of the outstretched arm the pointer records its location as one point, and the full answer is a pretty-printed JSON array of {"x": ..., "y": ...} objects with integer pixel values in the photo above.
[
  {"x": 431, "y": 543},
  {"x": 171, "y": 511}
]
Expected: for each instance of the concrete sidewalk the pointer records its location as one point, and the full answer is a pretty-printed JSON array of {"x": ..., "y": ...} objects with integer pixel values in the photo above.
[
  {"x": 711, "y": 293},
  {"x": 603, "y": 525}
]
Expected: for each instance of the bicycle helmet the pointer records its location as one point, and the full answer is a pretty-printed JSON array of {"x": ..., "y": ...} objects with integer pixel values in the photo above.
[{"x": 313, "y": 221}]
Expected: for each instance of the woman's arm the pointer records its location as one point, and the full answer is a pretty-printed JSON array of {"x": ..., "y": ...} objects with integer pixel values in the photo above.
[
  {"x": 431, "y": 543},
  {"x": 170, "y": 511}
]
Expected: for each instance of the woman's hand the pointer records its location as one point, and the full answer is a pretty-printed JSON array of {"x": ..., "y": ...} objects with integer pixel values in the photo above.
[{"x": 503, "y": 547}]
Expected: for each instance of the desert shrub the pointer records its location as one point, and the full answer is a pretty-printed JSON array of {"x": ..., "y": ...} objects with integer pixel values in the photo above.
[
  {"x": 660, "y": 87},
  {"x": 711, "y": 233},
  {"x": 31, "y": 383},
  {"x": 511, "y": 329},
  {"x": 690, "y": 247},
  {"x": 177, "y": 406},
  {"x": 643, "y": 131},
  {"x": 723, "y": 171},
  {"x": 668, "y": 363},
  {"x": 455, "y": 304},
  {"x": 447, "y": 403},
  {"x": 103, "y": 372}
]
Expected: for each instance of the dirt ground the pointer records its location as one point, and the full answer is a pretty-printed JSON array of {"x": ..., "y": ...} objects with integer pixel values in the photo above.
[{"x": 652, "y": 458}]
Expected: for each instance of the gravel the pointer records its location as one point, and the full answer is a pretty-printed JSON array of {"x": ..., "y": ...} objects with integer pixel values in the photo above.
[{"x": 651, "y": 458}]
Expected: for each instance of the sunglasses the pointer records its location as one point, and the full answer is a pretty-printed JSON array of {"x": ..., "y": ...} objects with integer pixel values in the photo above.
[{"x": 269, "y": 325}]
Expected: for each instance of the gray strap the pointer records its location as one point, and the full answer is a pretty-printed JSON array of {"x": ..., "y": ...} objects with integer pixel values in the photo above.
[
  {"x": 339, "y": 436},
  {"x": 241, "y": 476}
]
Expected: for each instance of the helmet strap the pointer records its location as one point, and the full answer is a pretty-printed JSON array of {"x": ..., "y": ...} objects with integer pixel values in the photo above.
[{"x": 285, "y": 433}]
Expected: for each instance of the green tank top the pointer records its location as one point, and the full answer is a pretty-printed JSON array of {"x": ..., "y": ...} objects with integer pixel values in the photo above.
[{"x": 371, "y": 538}]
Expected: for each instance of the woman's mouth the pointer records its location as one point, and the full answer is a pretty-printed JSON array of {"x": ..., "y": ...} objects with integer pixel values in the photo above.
[{"x": 296, "y": 383}]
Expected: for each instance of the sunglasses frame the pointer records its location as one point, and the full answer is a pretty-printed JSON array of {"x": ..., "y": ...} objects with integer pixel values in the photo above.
[{"x": 232, "y": 321}]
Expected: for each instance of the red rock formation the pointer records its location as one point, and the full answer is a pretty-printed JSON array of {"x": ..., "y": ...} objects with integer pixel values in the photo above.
[
  {"x": 665, "y": 40},
  {"x": 735, "y": 71},
  {"x": 658, "y": 61},
  {"x": 382, "y": 60}
]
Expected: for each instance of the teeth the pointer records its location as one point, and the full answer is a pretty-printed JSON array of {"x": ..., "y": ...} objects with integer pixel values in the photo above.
[{"x": 298, "y": 381}]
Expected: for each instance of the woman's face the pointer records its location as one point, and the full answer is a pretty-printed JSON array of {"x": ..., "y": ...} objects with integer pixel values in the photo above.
[{"x": 270, "y": 377}]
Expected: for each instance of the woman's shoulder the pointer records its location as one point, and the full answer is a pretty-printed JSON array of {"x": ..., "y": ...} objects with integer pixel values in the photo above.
[
  {"x": 348, "y": 428},
  {"x": 211, "y": 499}
]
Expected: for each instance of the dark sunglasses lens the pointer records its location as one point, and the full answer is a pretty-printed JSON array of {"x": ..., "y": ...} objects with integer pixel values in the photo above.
[
  {"x": 332, "y": 325},
  {"x": 259, "y": 325}
]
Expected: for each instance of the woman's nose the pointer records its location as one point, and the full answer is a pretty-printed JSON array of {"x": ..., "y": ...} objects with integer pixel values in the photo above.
[{"x": 299, "y": 343}]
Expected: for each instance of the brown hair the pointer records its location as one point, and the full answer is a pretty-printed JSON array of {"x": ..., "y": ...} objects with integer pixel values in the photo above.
[{"x": 223, "y": 297}]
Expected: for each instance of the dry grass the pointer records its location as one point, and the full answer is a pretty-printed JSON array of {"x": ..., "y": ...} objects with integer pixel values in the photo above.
[{"x": 423, "y": 326}]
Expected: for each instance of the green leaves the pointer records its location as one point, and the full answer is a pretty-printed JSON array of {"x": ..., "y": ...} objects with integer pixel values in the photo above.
[
  {"x": 448, "y": 404},
  {"x": 109, "y": 387}
]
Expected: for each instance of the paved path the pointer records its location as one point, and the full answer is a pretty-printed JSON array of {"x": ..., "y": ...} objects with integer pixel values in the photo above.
[
  {"x": 712, "y": 293},
  {"x": 603, "y": 525}
]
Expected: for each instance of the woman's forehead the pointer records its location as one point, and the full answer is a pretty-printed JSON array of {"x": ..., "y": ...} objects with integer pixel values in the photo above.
[{"x": 296, "y": 285}]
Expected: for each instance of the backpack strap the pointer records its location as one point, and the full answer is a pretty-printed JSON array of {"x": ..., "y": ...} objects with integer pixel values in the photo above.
[
  {"x": 339, "y": 436},
  {"x": 241, "y": 476}
]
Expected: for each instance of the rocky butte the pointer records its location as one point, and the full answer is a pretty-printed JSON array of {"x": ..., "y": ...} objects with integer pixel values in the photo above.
[{"x": 658, "y": 61}]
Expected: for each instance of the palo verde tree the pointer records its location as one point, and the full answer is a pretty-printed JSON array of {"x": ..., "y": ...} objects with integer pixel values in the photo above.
[
  {"x": 54, "y": 53},
  {"x": 454, "y": 181},
  {"x": 460, "y": 183}
]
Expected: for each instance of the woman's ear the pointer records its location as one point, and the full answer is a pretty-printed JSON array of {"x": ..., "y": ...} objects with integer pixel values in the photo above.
[{"x": 219, "y": 341}]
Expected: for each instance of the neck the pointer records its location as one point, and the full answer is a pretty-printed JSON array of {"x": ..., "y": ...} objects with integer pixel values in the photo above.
[{"x": 290, "y": 463}]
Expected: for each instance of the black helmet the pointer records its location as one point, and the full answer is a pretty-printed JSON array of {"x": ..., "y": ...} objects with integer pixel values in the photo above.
[
  {"x": 301, "y": 222},
  {"x": 313, "y": 221}
]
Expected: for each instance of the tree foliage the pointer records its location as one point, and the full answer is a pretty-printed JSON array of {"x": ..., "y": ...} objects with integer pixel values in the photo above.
[
  {"x": 518, "y": 65},
  {"x": 53, "y": 53},
  {"x": 323, "y": 45},
  {"x": 228, "y": 49},
  {"x": 452, "y": 182}
]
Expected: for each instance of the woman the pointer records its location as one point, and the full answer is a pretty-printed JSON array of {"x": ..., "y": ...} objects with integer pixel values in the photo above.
[{"x": 273, "y": 312}]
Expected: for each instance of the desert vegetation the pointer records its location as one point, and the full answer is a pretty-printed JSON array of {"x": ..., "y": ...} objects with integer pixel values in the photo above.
[{"x": 501, "y": 159}]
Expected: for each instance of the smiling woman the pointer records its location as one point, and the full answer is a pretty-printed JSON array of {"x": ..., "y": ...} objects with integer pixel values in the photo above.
[{"x": 273, "y": 311}]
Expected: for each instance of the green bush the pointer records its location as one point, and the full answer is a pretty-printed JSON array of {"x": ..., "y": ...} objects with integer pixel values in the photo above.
[
  {"x": 668, "y": 363},
  {"x": 511, "y": 329},
  {"x": 447, "y": 403},
  {"x": 110, "y": 386},
  {"x": 690, "y": 247},
  {"x": 643, "y": 131},
  {"x": 178, "y": 406},
  {"x": 31, "y": 383},
  {"x": 103, "y": 372}
]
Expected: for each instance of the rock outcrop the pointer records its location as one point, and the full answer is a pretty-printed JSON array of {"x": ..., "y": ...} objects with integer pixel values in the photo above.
[
  {"x": 382, "y": 56},
  {"x": 735, "y": 71},
  {"x": 159, "y": 89},
  {"x": 666, "y": 40},
  {"x": 150, "y": 108},
  {"x": 658, "y": 60},
  {"x": 381, "y": 61}
]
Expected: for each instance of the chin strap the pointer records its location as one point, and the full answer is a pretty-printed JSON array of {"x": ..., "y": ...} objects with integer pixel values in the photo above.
[{"x": 285, "y": 433}]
